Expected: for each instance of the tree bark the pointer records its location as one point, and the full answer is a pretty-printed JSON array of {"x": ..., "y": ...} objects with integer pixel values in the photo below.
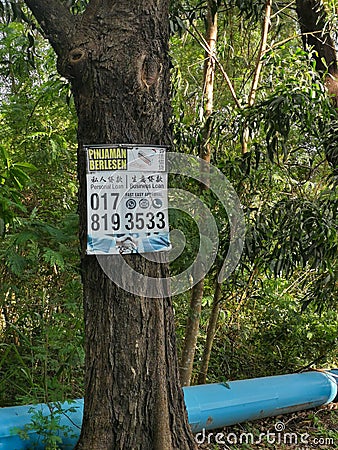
[
  {"x": 316, "y": 35},
  {"x": 57, "y": 24},
  {"x": 312, "y": 19},
  {"x": 116, "y": 57}
]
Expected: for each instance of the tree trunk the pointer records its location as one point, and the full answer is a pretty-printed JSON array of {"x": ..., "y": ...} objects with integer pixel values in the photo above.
[
  {"x": 116, "y": 57},
  {"x": 202, "y": 376},
  {"x": 258, "y": 69},
  {"x": 209, "y": 80},
  {"x": 312, "y": 20},
  {"x": 192, "y": 327},
  {"x": 316, "y": 35},
  {"x": 191, "y": 333}
]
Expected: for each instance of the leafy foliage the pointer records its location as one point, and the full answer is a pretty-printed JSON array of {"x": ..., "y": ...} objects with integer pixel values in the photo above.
[
  {"x": 278, "y": 310},
  {"x": 287, "y": 189},
  {"x": 47, "y": 427},
  {"x": 41, "y": 350},
  {"x": 13, "y": 177}
]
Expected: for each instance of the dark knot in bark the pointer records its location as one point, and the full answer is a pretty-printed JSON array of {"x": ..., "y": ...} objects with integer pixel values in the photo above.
[
  {"x": 150, "y": 71},
  {"x": 76, "y": 55},
  {"x": 73, "y": 65}
]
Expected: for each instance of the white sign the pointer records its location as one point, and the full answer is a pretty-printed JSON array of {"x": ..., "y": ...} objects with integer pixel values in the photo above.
[{"x": 127, "y": 203}]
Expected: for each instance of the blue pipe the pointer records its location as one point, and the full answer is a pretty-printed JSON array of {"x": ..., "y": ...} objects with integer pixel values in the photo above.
[
  {"x": 209, "y": 406},
  {"x": 214, "y": 406},
  {"x": 14, "y": 418}
]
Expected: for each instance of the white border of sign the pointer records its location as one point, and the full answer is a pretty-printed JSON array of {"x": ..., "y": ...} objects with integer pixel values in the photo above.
[{"x": 127, "y": 201}]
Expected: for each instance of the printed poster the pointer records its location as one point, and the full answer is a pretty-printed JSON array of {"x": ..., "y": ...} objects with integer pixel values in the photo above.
[{"x": 127, "y": 202}]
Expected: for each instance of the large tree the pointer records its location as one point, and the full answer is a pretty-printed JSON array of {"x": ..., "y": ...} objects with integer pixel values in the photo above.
[
  {"x": 317, "y": 36},
  {"x": 115, "y": 56}
]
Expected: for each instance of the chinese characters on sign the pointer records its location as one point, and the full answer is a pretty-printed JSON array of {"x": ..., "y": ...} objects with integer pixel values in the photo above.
[{"x": 127, "y": 199}]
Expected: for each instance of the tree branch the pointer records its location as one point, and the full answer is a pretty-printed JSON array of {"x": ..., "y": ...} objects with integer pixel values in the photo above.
[
  {"x": 261, "y": 52},
  {"x": 258, "y": 69},
  {"x": 202, "y": 42},
  {"x": 55, "y": 20}
]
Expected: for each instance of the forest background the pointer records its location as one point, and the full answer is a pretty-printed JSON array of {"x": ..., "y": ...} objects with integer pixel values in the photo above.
[{"x": 248, "y": 95}]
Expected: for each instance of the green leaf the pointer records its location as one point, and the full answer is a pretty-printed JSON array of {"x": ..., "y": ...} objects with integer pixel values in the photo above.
[{"x": 53, "y": 258}]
